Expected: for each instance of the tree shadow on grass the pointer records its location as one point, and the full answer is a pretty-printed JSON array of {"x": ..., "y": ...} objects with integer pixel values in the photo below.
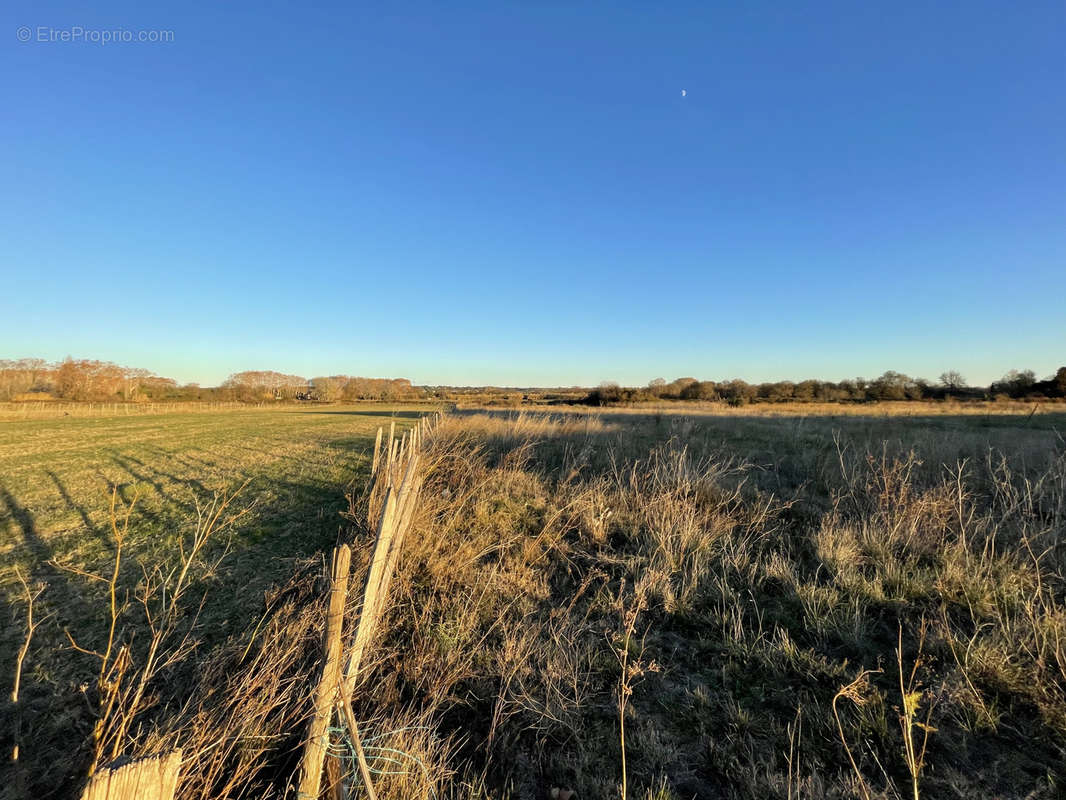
[
  {"x": 299, "y": 518},
  {"x": 61, "y": 606},
  {"x": 149, "y": 469}
]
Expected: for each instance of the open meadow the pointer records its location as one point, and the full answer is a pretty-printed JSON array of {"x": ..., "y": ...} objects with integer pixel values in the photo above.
[
  {"x": 806, "y": 606},
  {"x": 290, "y": 468},
  {"x": 645, "y": 604}
]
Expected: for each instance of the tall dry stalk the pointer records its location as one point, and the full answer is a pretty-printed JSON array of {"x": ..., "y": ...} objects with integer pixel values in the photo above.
[
  {"x": 911, "y": 694},
  {"x": 856, "y": 693},
  {"x": 632, "y": 670},
  {"x": 795, "y": 741},
  {"x": 31, "y": 627}
]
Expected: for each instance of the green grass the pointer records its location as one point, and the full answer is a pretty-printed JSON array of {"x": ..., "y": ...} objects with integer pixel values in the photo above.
[
  {"x": 56, "y": 478},
  {"x": 774, "y": 558}
]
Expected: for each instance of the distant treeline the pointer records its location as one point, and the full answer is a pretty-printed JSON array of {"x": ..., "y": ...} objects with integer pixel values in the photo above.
[
  {"x": 30, "y": 379},
  {"x": 255, "y": 386},
  {"x": 1016, "y": 384},
  {"x": 78, "y": 380}
]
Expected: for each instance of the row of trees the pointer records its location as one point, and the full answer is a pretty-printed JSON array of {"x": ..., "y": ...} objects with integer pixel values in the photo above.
[
  {"x": 257, "y": 385},
  {"x": 78, "y": 379},
  {"x": 267, "y": 385},
  {"x": 1018, "y": 384},
  {"x": 348, "y": 387},
  {"x": 84, "y": 379}
]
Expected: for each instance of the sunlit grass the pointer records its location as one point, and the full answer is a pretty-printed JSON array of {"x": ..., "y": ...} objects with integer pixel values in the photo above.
[{"x": 56, "y": 476}]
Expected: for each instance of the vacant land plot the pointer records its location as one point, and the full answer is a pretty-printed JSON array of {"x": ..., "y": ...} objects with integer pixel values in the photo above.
[
  {"x": 56, "y": 479},
  {"x": 654, "y": 605},
  {"x": 672, "y": 606}
]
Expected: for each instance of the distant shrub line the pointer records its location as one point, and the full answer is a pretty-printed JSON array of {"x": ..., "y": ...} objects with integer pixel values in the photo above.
[
  {"x": 891, "y": 386},
  {"x": 84, "y": 380}
]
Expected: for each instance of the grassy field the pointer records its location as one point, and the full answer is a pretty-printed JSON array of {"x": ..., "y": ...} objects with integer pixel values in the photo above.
[
  {"x": 56, "y": 477},
  {"x": 783, "y": 603},
  {"x": 743, "y": 593}
]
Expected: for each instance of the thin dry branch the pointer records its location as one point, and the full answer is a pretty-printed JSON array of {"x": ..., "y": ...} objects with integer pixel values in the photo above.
[{"x": 31, "y": 626}]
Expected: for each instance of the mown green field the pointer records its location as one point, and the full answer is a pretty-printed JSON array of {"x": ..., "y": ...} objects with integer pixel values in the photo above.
[{"x": 56, "y": 477}]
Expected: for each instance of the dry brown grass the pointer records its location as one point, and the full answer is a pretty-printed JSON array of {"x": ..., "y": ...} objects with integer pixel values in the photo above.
[
  {"x": 769, "y": 585},
  {"x": 888, "y": 408},
  {"x": 695, "y": 594}
]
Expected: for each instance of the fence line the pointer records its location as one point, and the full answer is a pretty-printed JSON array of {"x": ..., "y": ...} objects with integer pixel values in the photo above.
[
  {"x": 395, "y": 483},
  {"x": 63, "y": 409}
]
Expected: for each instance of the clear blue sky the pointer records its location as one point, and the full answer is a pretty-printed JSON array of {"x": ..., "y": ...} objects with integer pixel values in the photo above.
[{"x": 520, "y": 194}]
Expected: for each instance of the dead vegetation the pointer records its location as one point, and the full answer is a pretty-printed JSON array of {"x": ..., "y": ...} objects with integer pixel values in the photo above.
[
  {"x": 658, "y": 607},
  {"x": 768, "y": 587}
]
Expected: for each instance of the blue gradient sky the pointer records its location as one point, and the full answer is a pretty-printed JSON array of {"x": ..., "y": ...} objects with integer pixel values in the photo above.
[{"x": 491, "y": 193}]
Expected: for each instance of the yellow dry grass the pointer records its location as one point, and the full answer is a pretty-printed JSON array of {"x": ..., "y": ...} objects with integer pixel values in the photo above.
[
  {"x": 729, "y": 598},
  {"x": 871, "y": 409}
]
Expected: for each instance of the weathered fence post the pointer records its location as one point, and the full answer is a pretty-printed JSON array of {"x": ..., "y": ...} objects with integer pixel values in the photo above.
[
  {"x": 326, "y": 692},
  {"x": 377, "y": 455},
  {"x": 151, "y": 778}
]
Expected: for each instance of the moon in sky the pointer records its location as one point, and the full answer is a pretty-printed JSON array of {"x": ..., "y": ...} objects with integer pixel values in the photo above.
[{"x": 683, "y": 92}]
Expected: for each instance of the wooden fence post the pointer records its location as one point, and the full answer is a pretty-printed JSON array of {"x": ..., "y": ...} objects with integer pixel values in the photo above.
[
  {"x": 377, "y": 455},
  {"x": 151, "y": 778},
  {"x": 378, "y": 560},
  {"x": 326, "y": 692}
]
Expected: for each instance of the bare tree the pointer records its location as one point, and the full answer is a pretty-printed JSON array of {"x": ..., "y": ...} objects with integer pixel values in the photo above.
[
  {"x": 132, "y": 380},
  {"x": 952, "y": 379}
]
